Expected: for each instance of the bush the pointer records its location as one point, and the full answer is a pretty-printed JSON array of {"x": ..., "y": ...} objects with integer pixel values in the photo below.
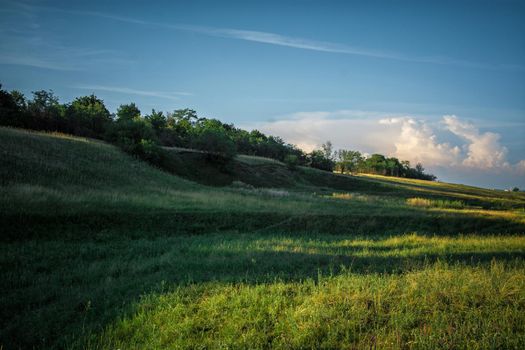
[
  {"x": 137, "y": 138},
  {"x": 151, "y": 152},
  {"x": 318, "y": 160},
  {"x": 216, "y": 143},
  {"x": 291, "y": 161},
  {"x": 127, "y": 132}
]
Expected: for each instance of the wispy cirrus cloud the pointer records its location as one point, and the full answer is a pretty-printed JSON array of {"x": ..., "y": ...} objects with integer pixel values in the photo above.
[
  {"x": 175, "y": 95},
  {"x": 32, "y": 52},
  {"x": 24, "y": 43},
  {"x": 325, "y": 46},
  {"x": 36, "y": 61},
  {"x": 277, "y": 39}
]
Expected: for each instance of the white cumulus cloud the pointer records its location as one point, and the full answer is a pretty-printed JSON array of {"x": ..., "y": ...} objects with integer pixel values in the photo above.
[
  {"x": 484, "y": 150},
  {"x": 405, "y": 137},
  {"x": 417, "y": 142}
]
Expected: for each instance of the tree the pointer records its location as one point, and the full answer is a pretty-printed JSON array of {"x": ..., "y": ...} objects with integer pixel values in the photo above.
[
  {"x": 348, "y": 161},
  {"x": 393, "y": 166},
  {"x": 179, "y": 128},
  {"x": 88, "y": 116},
  {"x": 327, "y": 150},
  {"x": 157, "y": 120},
  {"x": 128, "y": 133},
  {"x": 128, "y": 112},
  {"x": 45, "y": 112},
  {"x": 19, "y": 99},
  {"x": 419, "y": 169},
  {"x": 376, "y": 164},
  {"x": 9, "y": 110},
  {"x": 186, "y": 114},
  {"x": 216, "y": 143},
  {"x": 317, "y": 159}
]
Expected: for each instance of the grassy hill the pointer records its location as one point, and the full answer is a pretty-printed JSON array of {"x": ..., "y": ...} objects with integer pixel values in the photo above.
[{"x": 100, "y": 250}]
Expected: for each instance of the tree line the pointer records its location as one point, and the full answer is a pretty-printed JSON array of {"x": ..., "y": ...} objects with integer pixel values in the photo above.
[{"x": 144, "y": 135}]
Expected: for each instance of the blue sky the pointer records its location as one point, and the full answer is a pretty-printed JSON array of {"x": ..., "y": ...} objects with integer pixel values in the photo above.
[{"x": 438, "y": 82}]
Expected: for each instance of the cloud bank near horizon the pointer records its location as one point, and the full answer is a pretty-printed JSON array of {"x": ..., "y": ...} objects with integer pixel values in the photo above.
[{"x": 443, "y": 145}]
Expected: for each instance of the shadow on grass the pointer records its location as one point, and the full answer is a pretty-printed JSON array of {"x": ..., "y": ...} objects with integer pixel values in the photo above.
[
  {"x": 56, "y": 291},
  {"x": 168, "y": 222}
]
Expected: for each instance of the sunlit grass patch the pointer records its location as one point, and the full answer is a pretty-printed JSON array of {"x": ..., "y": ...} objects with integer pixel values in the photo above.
[
  {"x": 434, "y": 203},
  {"x": 110, "y": 271},
  {"x": 443, "y": 306},
  {"x": 363, "y": 198},
  {"x": 410, "y": 245},
  {"x": 470, "y": 195},
  {"x": 510, "y": 215},
  {"x": 342, "y": 195}
]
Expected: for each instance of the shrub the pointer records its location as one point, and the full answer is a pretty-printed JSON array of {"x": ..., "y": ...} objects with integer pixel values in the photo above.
[
  {"x": 291, "y": 161},
  {"x": 151, "y": 152},
  {"x": 217, "y": 143},
  {"x": 137, "y": 138},
  {"x": 130, "y": 132},
  {"x": 318, "y": 160}
]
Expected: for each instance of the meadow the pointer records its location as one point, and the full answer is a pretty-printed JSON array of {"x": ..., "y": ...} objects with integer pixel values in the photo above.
[{"x": 99, "y": 250}]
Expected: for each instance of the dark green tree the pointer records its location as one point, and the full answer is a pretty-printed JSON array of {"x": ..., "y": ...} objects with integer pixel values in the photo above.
[
  {"x": 348, "y": 161},
  {"x": 216, "y": 143},
  {"x": 45, "y": 112},
  {"x": 317, "y": 159},
  {"x": 19, "y": 98},
  {"x": 376, "y": 164},
  {"x": 128, "y": 111},
  {"x": 393, "y": 166},
  {"x": 157, "y": 120},
  {"x": 186, "y": 114},
  {"x": 88, "y": 116},
  {"x": 10, "y": 111}
]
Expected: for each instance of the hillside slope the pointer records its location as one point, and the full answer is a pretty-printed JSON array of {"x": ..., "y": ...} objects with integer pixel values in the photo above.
[
  {"x": 266, "y": 172},
  {"x": 99, "y": 250},
  {"x": 53, "y": 180}
]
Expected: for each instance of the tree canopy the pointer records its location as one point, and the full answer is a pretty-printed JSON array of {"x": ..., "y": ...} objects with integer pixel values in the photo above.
[{"x": 143, "y": 136}]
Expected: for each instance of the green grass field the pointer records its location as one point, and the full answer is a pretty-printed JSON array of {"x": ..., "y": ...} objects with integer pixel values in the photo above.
[{"x": 101, "y": 251}]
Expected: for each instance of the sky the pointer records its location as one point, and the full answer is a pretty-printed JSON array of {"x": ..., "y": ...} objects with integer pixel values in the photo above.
[{"x": 437, "y": 82}]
